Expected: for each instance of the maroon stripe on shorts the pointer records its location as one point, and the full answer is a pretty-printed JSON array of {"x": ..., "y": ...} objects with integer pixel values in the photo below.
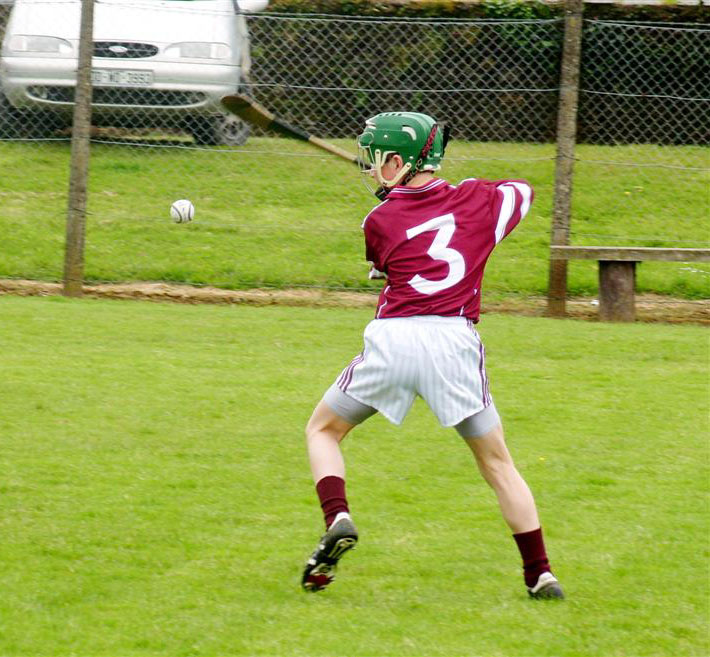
[
  {"x": 347, "y": 375},
  {"x": 343, "y": 374},
  {"x": 351, "y": 372},
  {"x": 482, "y": 372}
]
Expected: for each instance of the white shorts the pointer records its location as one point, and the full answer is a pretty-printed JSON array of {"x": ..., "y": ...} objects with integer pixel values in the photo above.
[{"x": 441, "y": 359}]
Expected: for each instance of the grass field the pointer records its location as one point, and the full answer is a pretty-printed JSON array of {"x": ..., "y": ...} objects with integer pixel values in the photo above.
[
  {"x": 155, "y": 496},
  {"x": 279, "y": 214}
]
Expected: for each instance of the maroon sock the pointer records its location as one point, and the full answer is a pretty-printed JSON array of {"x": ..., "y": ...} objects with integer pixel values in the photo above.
[
  {"x": 532, "y": 550},
  {"x": 331, "y": 492}
]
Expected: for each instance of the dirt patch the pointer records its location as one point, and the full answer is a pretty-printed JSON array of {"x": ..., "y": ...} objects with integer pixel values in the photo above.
[{"x": 649, "y": 307}]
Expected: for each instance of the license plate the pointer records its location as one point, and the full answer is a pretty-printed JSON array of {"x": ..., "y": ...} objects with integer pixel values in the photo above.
[{"x": 110, "y": 77}]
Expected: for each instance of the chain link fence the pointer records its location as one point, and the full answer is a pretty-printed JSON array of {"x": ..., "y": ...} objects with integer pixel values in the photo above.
[
  {"x": 272, "y": 212},
  {"x": 490, "y": 80},
  {"x": 644, "y": 132}
]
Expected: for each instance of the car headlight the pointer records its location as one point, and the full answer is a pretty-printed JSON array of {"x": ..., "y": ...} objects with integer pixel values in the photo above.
[
  {"x": 197, "y": 50},
  {"x": 21, "y": 43}
]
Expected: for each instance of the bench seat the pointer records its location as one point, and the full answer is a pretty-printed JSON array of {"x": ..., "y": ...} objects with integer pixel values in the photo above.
[{"x": 617, "y": 272}]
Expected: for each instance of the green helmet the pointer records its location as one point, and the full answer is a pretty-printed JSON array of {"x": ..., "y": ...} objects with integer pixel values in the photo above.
[{"x": 416, "y": 137}]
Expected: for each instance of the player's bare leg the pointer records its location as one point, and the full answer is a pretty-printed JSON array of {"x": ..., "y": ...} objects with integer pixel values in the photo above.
[
  {"x": 496, "y": 465},
  {"x": 324, "y": 432},
  {"x": 518, "y": 508}
]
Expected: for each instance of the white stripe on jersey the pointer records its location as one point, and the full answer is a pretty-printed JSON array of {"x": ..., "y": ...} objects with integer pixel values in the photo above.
[
  {"x": 461, "y": 182},
  {"x": 379, "y": 205},
  {"x": 508, "y": 207},
  {"x": 506, "y": 210},
  {"x": 382, "y": 307},
  {"x": 526, "y": 193},
  {"x": 419, "y": 190}
]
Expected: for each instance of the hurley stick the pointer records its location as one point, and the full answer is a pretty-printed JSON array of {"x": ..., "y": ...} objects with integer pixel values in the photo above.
[{"x": 248, "y": 109}]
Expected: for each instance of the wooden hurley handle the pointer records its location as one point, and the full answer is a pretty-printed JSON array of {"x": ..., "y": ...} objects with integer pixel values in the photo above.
[{"x": 248, "y": 109}]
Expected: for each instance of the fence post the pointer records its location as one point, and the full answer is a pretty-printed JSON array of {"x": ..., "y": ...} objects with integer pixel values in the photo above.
[
  {"x": 566, "y": 140},
  {"x": 76, "y": 207}
]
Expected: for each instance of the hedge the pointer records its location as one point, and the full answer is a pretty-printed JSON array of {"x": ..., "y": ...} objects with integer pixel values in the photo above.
[
  {"x": 665, "y": 13},
  {"x": 640, "y": 85}
]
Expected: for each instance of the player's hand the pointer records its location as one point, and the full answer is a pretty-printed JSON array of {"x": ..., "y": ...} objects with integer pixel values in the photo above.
[{"x": 376, "y": 273}]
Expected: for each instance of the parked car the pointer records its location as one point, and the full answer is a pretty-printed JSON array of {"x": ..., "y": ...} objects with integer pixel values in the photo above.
[{"x": 155, "y": 63}]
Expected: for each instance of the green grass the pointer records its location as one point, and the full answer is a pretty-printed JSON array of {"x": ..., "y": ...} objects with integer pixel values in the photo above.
[
  {"x": 277, "y": 213},
  {"x": 156, "y": 499}
]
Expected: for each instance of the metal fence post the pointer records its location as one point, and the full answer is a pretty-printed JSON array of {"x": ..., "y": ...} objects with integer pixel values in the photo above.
[
  {"x": 76, "y": 210},
  {"x": 566, "y": 140}
]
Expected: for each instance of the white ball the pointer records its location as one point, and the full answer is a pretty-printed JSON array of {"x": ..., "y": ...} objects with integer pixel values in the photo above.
[{"x": 182, "y": 211}]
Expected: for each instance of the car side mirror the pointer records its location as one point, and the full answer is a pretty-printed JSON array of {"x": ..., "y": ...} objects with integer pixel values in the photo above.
[{"x": 253, "y": 6}]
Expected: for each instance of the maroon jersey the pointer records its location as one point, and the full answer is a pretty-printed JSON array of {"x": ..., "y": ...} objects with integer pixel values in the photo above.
[{"x": 433, "y": 242}]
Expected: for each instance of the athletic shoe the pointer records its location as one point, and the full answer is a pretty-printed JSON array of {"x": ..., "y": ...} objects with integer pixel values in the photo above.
[
  {"x": 547, "y": 588},
  {"x": 320, "y": 568}
]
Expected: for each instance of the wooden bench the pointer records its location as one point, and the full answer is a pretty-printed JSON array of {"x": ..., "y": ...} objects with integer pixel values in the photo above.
[{"x": 617, "y": 272}]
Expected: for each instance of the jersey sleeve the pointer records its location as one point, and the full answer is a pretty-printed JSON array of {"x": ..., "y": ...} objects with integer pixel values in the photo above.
[
  {"x": 510, "y": 202},
  {"x": 372, "y": 246}
]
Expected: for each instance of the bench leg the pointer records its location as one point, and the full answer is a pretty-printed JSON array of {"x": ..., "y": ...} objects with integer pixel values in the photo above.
[
  {"x": 557, "y": 289},
  {"x": 617, "y": 283}
]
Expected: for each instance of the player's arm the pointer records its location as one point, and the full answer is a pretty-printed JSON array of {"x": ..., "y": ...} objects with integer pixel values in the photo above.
[
  {"x": 374, "y": 272},
  {"x": 377, "y": 268},
  {"x": 510, "y": 202}
]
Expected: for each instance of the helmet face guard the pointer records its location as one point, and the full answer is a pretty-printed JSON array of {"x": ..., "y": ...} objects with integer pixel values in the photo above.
[{"x": 415, "y": 137}]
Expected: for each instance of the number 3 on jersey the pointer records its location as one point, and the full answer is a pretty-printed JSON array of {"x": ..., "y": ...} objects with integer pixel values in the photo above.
[{"x": 444, "y": 226}]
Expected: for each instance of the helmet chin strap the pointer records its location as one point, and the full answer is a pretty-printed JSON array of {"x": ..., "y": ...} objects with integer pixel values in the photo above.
[{"x": 379, "y": 163}]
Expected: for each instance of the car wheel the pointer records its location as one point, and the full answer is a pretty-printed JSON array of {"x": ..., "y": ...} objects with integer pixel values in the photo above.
[
  {"x": 9, "y": 121},
  {"x": 41, "y": 125},
  {"x": 231, "y": 130},
  {"x": 21, "y": 125},
  {"x": 220, "y": 130}
]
